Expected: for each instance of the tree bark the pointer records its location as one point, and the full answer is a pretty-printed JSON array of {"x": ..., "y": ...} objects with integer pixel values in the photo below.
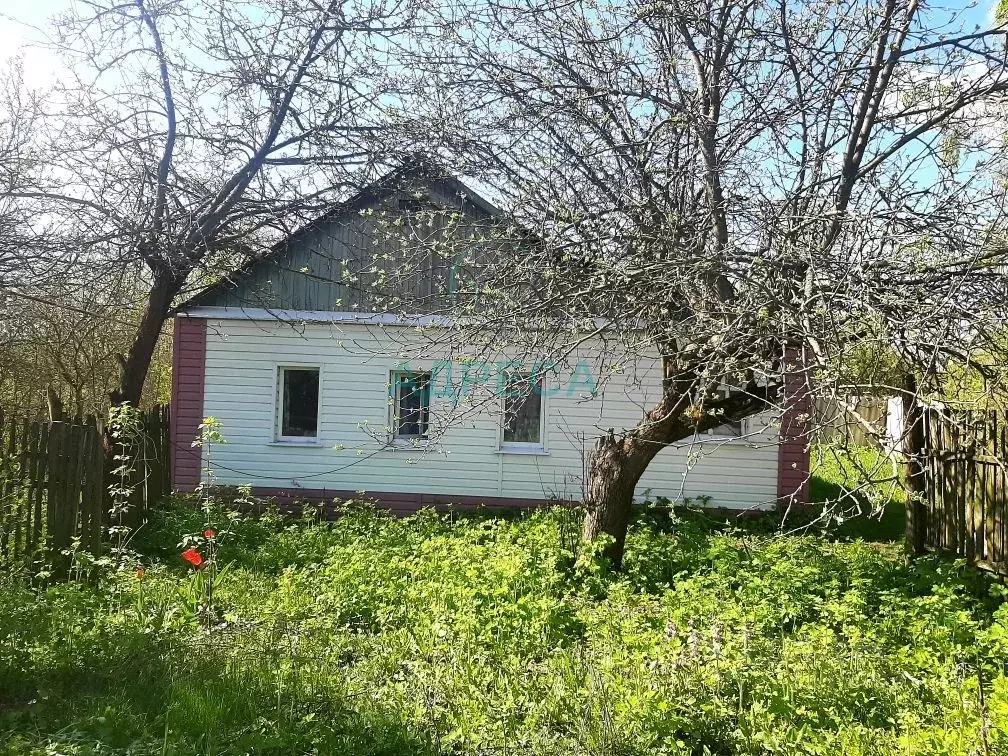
[
  {"x": 616, "y": 465},
  {"x": 136, "y": 363},
  {"x": 618, "y": 462}
]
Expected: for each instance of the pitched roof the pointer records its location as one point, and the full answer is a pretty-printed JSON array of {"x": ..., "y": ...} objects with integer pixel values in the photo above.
[{"x": 412, "y": 173}]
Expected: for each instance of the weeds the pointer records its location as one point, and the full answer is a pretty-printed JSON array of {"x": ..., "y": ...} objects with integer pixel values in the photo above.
[{"x": 479, "y": 635}]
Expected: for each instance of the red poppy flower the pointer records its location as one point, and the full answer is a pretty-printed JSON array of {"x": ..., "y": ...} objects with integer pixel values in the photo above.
[
  {"x": 139, "y": 574},
  {"x": 193, "y": 557},
  {"x": 208, "y": 533}
]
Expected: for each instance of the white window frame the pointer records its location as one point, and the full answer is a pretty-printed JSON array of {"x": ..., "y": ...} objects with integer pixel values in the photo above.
[
  {"x": 278, "y": 386},
  {"x": 394, "y": 386},
  {"x": 523, "y": 447}
]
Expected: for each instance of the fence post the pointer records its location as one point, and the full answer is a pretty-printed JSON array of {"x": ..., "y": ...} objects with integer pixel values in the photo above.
[
  {"x": 913, "y": 451},
  {"x": 40, "y": 476}
]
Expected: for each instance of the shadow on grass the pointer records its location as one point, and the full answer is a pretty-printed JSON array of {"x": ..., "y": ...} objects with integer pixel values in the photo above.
[
  {"x": 242, "y": 694},
  {"x": 847, "y": 500}
]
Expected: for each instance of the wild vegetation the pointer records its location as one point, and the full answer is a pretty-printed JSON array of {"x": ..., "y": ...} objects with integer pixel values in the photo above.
[
  {"x": 478, "y": 634},
  {"x": 751, "y": 192}
]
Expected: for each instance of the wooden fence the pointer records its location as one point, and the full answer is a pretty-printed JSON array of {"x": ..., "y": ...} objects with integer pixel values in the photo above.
[
  {"x": 55, "y": 479},
  {"x": 966, "y": 485}
]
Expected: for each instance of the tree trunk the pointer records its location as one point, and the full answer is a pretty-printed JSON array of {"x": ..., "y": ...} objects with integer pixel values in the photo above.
[
  {"x": 136, "y": 364},
  {"x": 618, "y": 462},
  {"x": 614, "y": 469}
]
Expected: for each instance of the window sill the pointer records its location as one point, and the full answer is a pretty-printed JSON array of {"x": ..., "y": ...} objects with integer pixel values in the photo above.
[
  {"x": 526, "y": 451},
  {"x": 694, "y": 440},
  {"x": 292, "y": 444}
]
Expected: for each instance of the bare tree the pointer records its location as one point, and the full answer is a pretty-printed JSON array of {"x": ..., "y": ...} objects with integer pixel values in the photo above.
[
  {"x": 34, "y": 255},
  {"x": 63, "y": 318},
  {"x": 749, "y": 190},
  {"x": 188, "y": 135},
  {"x": 60, "y": 346}
]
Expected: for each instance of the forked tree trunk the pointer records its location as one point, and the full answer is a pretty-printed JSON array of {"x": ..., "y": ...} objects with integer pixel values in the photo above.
[{"x": 618, "y": 462}]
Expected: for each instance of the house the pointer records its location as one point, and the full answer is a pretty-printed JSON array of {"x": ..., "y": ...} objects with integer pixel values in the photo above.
[{"x": 323, "y": 391}]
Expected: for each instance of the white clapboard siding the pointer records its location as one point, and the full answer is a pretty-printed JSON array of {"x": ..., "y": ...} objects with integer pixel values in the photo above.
[{"x": 243, "y": 358}]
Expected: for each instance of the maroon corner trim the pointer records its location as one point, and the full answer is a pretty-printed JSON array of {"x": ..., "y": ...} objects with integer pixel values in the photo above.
[
  {"x": 396, "y": 503},
  {"x": 188, "y": 372},
  {"x": 793, "y": 453}
]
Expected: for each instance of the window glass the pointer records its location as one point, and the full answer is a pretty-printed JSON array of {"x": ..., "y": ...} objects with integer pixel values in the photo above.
[
  {"x": 522, "y": 410},
  {"x": 300, "y": 395},
  {"x": 412, "y": 404},
  {"x": 730, "y": 429}
]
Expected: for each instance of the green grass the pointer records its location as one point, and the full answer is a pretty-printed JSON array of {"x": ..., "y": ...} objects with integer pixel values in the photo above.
[
  {"x": 481, "y": 635},
  {"x": 855, "y": 495}
]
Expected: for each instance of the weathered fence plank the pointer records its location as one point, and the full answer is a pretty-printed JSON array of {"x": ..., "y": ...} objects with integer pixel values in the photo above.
[
  {"x": 967, "y": 485},
  {"x": 54, "y": 503},
  {"x": 20, "y": 500},
  {"x": 8, "y": 437},
  {"x": 41, "y": 471},
  {"x": 54, "y": 480}
]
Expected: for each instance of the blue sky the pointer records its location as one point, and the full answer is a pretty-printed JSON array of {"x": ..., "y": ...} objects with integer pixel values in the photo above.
[
  {"x": 20, "y": 24},
  {"x": 18, "y": 17},
  {"x": 24, "y": 22}
]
